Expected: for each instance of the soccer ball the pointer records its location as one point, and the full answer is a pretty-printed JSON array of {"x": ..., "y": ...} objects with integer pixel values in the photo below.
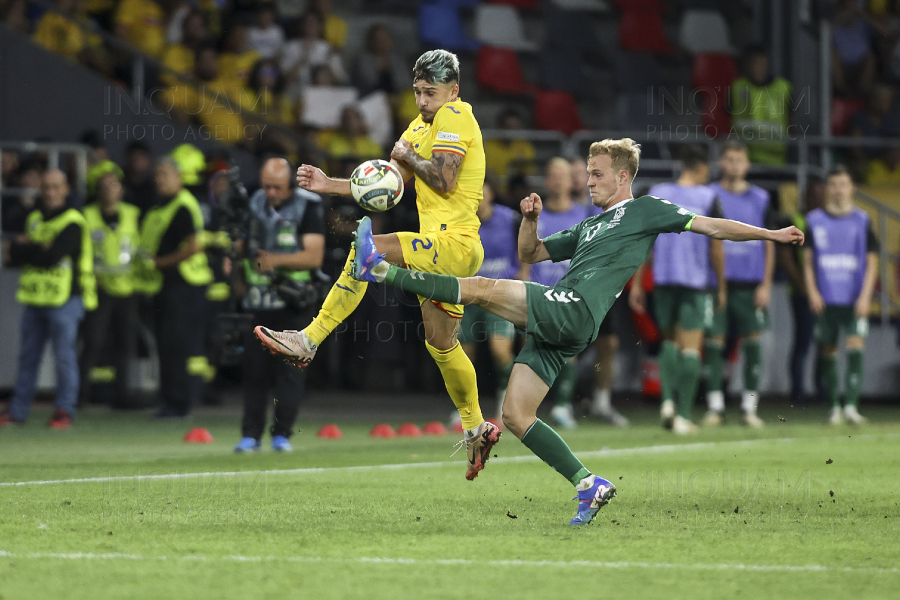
[{"x": 376, "y": 185}]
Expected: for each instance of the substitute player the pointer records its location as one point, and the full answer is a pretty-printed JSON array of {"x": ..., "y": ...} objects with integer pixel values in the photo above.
[
  {"x": 443, "y": 149},
  {"x": 840, "y": 268},
  {"x": 604, "y": 251},
  {"x": 748, "y": 273},
  {"x": 683, "y": 306}
]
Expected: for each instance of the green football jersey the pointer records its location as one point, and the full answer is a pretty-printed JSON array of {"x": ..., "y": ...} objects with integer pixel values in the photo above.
[{"x": 606, "y": 249}]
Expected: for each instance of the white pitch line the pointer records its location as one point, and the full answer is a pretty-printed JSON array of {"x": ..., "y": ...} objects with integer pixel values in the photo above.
[
  {"x": 425, "y": 562},
  {"x": 604, "y": 453}
]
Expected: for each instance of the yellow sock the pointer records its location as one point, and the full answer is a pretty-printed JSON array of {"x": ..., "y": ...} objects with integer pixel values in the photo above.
[
  {"x": 459, "y": 377},
  {"x": 339, "y": 304}
]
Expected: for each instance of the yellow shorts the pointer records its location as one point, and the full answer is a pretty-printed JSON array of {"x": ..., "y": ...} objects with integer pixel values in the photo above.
[{"x": 445, "y": 253}]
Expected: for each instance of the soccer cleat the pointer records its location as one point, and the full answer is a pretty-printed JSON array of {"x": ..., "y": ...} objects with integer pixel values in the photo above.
[
  {"x": 60, "y": 419},
  {"x": 564, "y": 416},
  {"x": 591, "y": 500},
  {"x": 667, "y": 413},
  {"x": 712, "y": 418},
  {"x": 6, "y": 418},
  {"x": 478, "y": 449},
  {"x": 367, "y": 255},
  {"x": 751, "y": 419},
  {"x": 852, "y": 415},
  {"x": 836, "y": 417},
  {"x": 614, "y": 417},
  {"x": 247, "y": 444},
  {"x": 292, "y": 344},
  {"x": 281, "y": 444},
  {"x": 682, "y": 426}
]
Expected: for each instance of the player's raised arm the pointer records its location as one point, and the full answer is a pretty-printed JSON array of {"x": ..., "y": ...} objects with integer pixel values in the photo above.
[
  {"x": 315, "y": 180},
  {"x": 531, "y": 247},
  {"x": 439, "y": 172},
  {"x": 726, "y": 229}
]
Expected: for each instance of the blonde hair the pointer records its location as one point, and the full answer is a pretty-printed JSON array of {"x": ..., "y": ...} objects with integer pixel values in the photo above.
[{"x": 624, "y": 154}]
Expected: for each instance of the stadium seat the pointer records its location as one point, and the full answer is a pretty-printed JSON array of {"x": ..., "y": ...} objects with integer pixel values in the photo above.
[
  {"x": 499, "y": 70},
  {"x": 569, "y": 29},
  {"x": 556, "y": 111},
  {"x": 560, "y": 69},
  {"x": 841, "y": 111},
  {"x": 600, "y": 6},
  {"x": 704, "y": 31},
  {"x": 501, "y": 26},
  {"x": 526, "y": 4},
  {"x": 712, "y": 76},
  {"x": 641, "y": 27},
  {"x": 441, "y": 27}
]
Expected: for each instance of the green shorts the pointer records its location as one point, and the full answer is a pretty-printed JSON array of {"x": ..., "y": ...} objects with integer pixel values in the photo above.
[
  {"x": 742, "y": 310},
  {"x": 684, "y": 307},
  {"x": 479, "y": 325},
  {"x": 560, "y": 326},
  {"x": 835, "y": 318}
]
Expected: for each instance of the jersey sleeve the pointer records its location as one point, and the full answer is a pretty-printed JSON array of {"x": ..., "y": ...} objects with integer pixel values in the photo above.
[
  {"x": 666, "y": 217},
  {"x": 454, "y": 131},
  {"x": 561, "y": 245},
  {"x": 872, "y": 244}
]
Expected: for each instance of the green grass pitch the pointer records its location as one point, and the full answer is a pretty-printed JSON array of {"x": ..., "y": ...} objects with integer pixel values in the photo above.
[{"x": 798, "y": 510}]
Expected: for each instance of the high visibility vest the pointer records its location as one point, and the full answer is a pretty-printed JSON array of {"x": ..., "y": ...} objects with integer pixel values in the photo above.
[
  {"x": 195, "y": 270},
  {"x": 114, "y": 249},
  {"x": 52, "y": 286}
]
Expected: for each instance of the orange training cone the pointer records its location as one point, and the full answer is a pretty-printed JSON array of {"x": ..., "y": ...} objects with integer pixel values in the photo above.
[
  {"x": 330, "y": 432},
  {"x": 434, "y": 428},
  {"x": 409, "y": 430},
  {"x": 199, "y": 435},
  {"x": 383, "y": 430}
]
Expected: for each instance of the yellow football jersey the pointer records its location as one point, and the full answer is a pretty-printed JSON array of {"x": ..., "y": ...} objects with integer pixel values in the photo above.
[{"x": 453, "y": 129}]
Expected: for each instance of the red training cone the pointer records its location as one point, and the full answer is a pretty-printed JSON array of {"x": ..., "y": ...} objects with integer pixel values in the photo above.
[
  {"x": 434, "y": 428},
  {"x": 409, "y": 430},
  {"x": 198, "y": 435},
  {"x": 383, "y": 430},
  {"x": 330, "y": 432},
  {"x": 456, "y": 427}
]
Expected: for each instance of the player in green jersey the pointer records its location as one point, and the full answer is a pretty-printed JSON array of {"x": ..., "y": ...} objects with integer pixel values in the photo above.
[{"x": 605, "y": 250}]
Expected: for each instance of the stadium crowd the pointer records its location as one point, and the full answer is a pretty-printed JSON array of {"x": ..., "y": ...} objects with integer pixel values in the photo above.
[{"x": 289, "y": 68}]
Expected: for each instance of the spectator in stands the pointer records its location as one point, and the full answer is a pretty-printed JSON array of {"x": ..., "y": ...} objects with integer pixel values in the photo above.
[
  {"x": 10, "y": 165},
  {"x": 56, "y": 286},
  {"x": 378, "y": 67},
  {"x": 265, "y": 92},
  {"x": 852, "y": 57},
  {"x": 352, "y": 141},
  {"x": 335, "y": 28},
  {"x": 138, "y": 181},
  {"x": 65, "y": 30},
  {"x": 17, "y": 208},
  {"x": 307, "y": 50},
  {"x": 877, "y": 119},
  {"x": 141, "y": 23},
  {"x": 179, "y": 56},
  {"x": 266, "y": 36},
  {"x": 507, "y": 158},
  {"x": 885, "y": 170},
  {"x": 761, "y": 109},
  {"x": 97, "y": 149},
  {"x": 110, "y": 331},
  {"x": 237, "y": 58}
]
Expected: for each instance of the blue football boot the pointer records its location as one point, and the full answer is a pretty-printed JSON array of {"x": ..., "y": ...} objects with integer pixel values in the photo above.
[
  {"x": 247, "y": 444},
  {"x": 281, "y": 444},
  {"x": 367, "y": 255},
  {"x": 591, "y": 500}
]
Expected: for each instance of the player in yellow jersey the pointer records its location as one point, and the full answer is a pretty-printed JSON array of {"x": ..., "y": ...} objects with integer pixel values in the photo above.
[{"x": 443, "y": 149}]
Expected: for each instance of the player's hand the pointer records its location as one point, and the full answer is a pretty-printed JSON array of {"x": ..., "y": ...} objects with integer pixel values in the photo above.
[
  {"x": 816, "y": 303},
  {"x": 721, "y": 298},
  {"x": 762, "y": 296},
  {"x": 788, "y": 235},
  {"x": 531, "y": 207},
  {"x": 401, "y": 150},
  {"x": 637, "y": 298},
  {"x": 312, "y": 178},
  {"x": 862, "y": 307}
]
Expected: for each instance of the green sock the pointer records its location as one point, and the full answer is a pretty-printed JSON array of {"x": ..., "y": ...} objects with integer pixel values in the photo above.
[
  {"x": 668, "y": 369},
  {"x": 688, "y": 381},
  {"x": 715, "y": 365},
  {"x": 853, "y": 383},
  {"x": 752, "y": 363},
  {"x": 443, "y": 288},
  {"x": 565, "y": 384},
  {"x": 830, "y": 379},
  {"x": 553, "y": 450}
]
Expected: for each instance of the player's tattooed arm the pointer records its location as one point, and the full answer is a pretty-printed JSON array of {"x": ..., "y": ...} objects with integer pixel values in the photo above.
[{"x": 439, "y": 173}]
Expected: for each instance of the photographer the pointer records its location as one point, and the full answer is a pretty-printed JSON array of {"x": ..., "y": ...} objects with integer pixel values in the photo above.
[{"x": 286, "y": 243}]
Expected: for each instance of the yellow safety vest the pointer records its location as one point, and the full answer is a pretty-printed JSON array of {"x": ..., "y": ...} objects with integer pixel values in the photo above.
[
  {"x": 195, "y": 269},
  {"x": 114, "y": 249},
  {"x": 52, "y": 286}
]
